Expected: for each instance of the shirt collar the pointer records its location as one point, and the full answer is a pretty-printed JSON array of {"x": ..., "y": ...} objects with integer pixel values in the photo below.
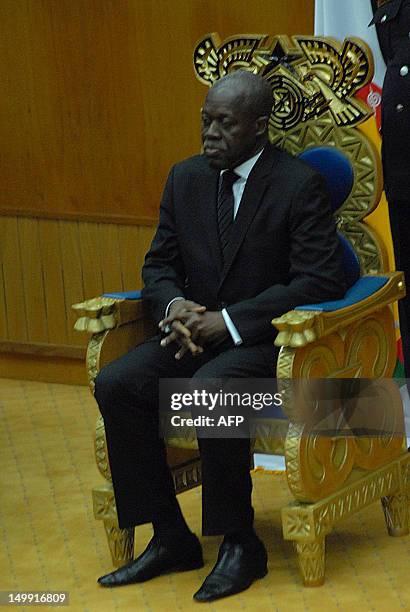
[{"x": 244, "y": 169}]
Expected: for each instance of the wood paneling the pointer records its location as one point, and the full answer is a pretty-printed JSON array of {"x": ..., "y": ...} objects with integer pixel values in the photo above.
[
  {"x": 50, "y": 255},
  {"x": 99, "y": 98},
  {"x": 73, "y": 273},
  {"x": 15, "y": 313},
  {"x": 48, "y": 265},
  {"x": 53, "y": 368},
  {"x": 33, "y": 280}
]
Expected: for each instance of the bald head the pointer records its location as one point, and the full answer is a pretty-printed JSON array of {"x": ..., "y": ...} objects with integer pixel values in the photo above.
[
  {"x": 235, "y": 119},
  {"x": 253, "y": 93}
]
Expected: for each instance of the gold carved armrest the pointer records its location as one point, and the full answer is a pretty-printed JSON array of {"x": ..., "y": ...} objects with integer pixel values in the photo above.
[
  {"x": 325, "y": 449},
  {"x": 297, "y": 328},
  {"x": 102, "y": 313},
  {"x": 116, "y": 326}
]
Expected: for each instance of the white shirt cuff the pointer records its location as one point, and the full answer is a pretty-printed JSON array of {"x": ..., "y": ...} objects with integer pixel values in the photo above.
[
  {"x": 171, "y": 302},
  {"x": 237, "y": 340},
  {"x": 167, "y": 328}
]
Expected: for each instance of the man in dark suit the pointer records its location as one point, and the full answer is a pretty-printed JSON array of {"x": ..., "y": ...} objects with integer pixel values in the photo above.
[
  {"x": 245, "y": 234},
  {"x": 392, "y": 20}
]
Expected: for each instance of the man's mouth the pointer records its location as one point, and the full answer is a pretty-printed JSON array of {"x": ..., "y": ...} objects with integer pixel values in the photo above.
[{"x": 211, "y": 151}]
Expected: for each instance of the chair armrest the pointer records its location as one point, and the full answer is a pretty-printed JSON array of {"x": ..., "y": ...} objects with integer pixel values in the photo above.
[
  {"x": 116, "y": 322},
  {"x": 109, "y": 311},
  {"x": 304, "y": 325}
]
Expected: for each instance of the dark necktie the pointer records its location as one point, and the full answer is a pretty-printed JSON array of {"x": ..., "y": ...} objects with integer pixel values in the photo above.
[{"x": 225, "y": 207}]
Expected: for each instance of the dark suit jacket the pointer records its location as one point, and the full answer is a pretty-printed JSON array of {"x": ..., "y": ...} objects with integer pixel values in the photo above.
[
  {"x": 387, "y": 16},
  {"x": 284, "y": 250},
  {"x": 392, "y": 20}
]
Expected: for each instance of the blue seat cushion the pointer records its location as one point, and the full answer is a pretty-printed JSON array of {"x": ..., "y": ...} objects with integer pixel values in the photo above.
[
  {"x": 269, "y": 412},
  {"x": 363, "y": 288},
  {"x": 125, "y": 295}
]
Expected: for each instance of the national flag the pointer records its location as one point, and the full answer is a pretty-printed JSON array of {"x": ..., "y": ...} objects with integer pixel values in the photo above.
[{"x": 351, "y": 18}]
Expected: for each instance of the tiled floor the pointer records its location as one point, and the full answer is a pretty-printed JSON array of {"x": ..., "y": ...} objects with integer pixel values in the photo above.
[{"x": 49, "y": 539}]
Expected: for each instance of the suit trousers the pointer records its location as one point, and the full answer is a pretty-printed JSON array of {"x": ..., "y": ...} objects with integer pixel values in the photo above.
[{"x": 127, "y": 392}]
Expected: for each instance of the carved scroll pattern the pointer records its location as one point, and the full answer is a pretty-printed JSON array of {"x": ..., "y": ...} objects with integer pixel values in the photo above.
[{"x": 323, "y": 449}]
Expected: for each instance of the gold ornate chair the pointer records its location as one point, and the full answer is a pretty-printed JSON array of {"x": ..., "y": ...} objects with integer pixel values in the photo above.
[{"x": 314, "y": 81}]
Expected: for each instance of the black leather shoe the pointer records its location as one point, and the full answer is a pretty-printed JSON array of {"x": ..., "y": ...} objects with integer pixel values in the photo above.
[
  {"x": 156, "y": 560},
  {"x": 236, "y": 569}
]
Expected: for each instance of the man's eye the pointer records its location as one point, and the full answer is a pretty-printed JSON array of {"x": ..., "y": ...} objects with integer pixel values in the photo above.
[
  {"x": 227, "y": 123},
  {"x": 205, "y": 121}
]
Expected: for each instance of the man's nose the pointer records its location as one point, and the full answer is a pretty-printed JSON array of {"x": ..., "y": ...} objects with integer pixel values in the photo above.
[{"x": 213, "y": 131}]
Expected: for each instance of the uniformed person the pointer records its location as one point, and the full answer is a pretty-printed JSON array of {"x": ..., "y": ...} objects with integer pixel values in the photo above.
[{"x": 392, "y": 20}]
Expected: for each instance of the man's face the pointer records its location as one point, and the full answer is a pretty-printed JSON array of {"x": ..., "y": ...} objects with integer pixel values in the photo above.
[{"x": 230, "y": 136}]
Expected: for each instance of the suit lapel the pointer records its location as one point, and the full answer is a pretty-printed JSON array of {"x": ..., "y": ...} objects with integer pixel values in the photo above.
[{"x": 255, "y": 189}]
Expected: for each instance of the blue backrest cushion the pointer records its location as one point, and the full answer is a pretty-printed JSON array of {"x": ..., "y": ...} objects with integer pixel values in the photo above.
[
  {"x": 336, "y": 169},
  {"x": 351, "y": 262}
]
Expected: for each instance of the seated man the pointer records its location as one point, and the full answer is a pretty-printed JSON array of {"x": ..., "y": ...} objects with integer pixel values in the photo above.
[{"x": 245, "y": 234}]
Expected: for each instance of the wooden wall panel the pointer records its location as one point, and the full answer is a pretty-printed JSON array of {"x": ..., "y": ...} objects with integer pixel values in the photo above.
[
  {"x": 110, "y": 261},
  {"x": 4, "y": 332},
  {"x": 73, "y": 273},
  {"x": 13, "y": 280},
  {"x": 46, "y": 266},
  {"x": 89, "y": 244},
  {"x": 128, "y": 251},
  {"x": 99, "y": 97},
  {"x": 33, "y": 280},
  {"x": 50, "y": 255}
]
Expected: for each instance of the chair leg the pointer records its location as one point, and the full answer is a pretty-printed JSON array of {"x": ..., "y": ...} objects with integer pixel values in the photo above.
[
  {"x": 396, "y": 514},
  {"x": 311, "y": 558},
  {"x": 120, "y": 541}
]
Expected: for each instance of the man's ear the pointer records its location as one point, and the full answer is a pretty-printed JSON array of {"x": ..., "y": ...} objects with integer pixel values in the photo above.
[{"x": 261, "y": 124}]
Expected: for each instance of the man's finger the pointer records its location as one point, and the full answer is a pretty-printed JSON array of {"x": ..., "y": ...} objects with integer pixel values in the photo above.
[
  {"x": 169, "y": 339},
  {"x": 180, "y": 329},
  {"x": 182, "y": 335},
  {"x": 189, "y": 346},
  {"x": 187, "y": 343},
  {"x": 182, "y": 351},
  {"x": 180, "y": 316}
]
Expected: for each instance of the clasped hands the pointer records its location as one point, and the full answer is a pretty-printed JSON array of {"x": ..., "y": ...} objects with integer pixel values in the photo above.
[{"x": 192, "y": 327}]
